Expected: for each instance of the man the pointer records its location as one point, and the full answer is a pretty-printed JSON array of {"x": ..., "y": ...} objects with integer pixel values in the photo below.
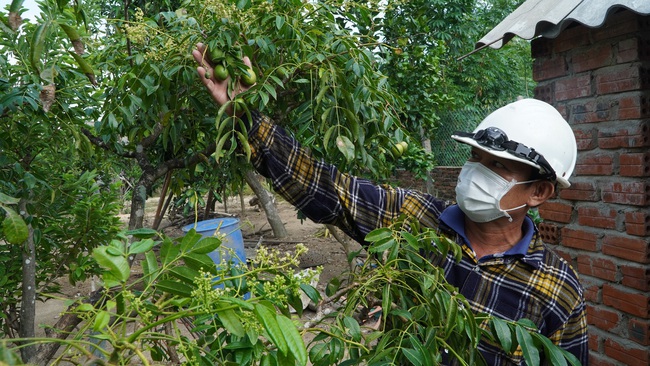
[{"x": 519, "y": 154}]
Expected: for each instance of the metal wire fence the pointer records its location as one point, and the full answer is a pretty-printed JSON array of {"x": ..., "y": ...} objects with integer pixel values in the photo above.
[{"x": 447, "y": 151}]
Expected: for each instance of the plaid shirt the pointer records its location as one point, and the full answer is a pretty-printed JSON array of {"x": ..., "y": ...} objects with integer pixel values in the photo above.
[{"x": 528, "y": 281}]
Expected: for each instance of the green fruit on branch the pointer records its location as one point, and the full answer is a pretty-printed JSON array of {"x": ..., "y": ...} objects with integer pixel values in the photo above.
[
  {"x": 216, "y": 54},
  {"x": 404, "y": 145},
  {"x": 220, "y": 72},
  {"x": 399, "y": 148},
  {"x": 249, "y": 78}
]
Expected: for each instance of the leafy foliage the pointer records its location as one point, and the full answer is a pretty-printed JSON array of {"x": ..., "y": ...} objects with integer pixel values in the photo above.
[{"x": 176, "y": 311}]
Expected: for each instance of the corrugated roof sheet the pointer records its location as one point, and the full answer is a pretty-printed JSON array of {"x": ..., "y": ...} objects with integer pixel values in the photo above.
[{"x": 547, "y": 18}]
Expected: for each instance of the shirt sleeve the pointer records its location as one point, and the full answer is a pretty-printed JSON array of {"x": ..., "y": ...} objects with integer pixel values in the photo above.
[
  {"x": 326, "y": 195},
  {"x": 572, "y": 335}
]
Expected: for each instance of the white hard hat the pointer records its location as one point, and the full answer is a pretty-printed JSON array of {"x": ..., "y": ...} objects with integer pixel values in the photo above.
[{"x": 529, "y": 131}]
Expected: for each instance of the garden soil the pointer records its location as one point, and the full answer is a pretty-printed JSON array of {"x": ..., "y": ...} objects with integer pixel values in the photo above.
[{"x": 324, "y": 250}]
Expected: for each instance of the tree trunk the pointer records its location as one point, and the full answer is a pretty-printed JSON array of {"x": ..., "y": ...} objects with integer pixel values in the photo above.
[
  {"x": 241, "y": 202},
  {"x": 28, "y": 301},
  {"x": 279, "y": 231},
  {"x": 426, "y": 145},
  {"x": 138, "y": 201}
]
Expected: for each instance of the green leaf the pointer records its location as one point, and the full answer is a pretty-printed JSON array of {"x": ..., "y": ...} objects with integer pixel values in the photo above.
[
  {"x": 422, "y": 350},
  {"x": 14, "y": 227},
  {"x": 293, "y": 338},
  {"x": 231, "y": 322},
  {"x": 382, "y": 245},
  {"x": 142, "y": 233},
  {"x": 271, "y": 326},
  {"x": 101, "y": 320},
  {"x": 345, "y": 146},
  {"x": 502, "y": 331},
  {"x": 413, "y": 356},
  {"x": 378, "y": 234},
  {"x": 311, "y": 292},
  {"x": 353, "y": 328},
  {"x": 531, "y": 354},
  {"x": 117, "y": 266},
  {"x": 174, "y": 288},
  {"x": 239, "y": 302},
  {"x": 411, "y": 239},
  {"x": 141, "y": 246},
  {"x": 184, "y": 274},
  {"x": 206, "y": 245},
  {"x": 169, "y": 252},
  {"x": 8, "y": 200},
  {"x": 551, "y": 351},
  {"x": 200, "y": 262},
  {"x": 279, "y": 22}
]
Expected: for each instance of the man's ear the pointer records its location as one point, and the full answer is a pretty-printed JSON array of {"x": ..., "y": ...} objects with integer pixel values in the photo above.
[{"x": 542, "y": 191}]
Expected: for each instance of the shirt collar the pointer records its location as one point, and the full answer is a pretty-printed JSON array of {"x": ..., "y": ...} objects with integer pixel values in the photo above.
[{"x": 454, "y": 218}]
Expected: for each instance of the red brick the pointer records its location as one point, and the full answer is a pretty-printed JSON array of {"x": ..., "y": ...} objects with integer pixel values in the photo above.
[
  {"x": 597, "y": 217},
  {"x": 586, "y": 139},
  {"x": 618, "y": 79},
  {"x": 635, "y": 164},
  {"x": 573, "y": 87},
  {"x": 556, "y": 211},
  {"x": 597, "y": 267},
  {"x": 571, "y": 38},
  {"x": 628, "y": 50},
  {"x": 636, "y": 277},
  {"x": 544, "y": 91},
  {"x": 639, "y": 331},
  {"x": 630, "y": 248},
  {"x": 635, "y": 193},
  {"x": 628, "y": 354},
  {"x": 602, "y": 318},
  {"x": 541, "y": 47},
  {"x": 596, "y": 359},
  {"x": 634, "y": 303},
  {"x": 637, "y": 223},
  {"x": 590, "y": 111},
  {"x": 617, "y": 24},
  {"x": 579, "y": 239},
  {"x": 594, "y": 342},
  {"x": 595, "y": 164},
  {"x": 549, "y": 68},
  {"x": 630, "y": 135},
  {"x": 549, "y": 232},
  {"x": 580, "y": 191},
  {"x": 592, "y": 57},
  {"x": 633, "y": 107},
  {"x": 591, "y": 293}
]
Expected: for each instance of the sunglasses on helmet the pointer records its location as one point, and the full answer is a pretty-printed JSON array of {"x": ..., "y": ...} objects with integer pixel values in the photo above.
[{"x": 495, "y": 139}]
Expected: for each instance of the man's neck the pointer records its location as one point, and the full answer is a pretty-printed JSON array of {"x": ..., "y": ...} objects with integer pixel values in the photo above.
[{"x": 493, "y": 237}]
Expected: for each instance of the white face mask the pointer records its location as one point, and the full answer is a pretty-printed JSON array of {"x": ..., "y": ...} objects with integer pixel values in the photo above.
[{"x": 479, "y": 191}]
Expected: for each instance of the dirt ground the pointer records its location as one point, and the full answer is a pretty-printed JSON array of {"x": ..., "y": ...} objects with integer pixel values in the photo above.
[{"x": 324, "y": 249}]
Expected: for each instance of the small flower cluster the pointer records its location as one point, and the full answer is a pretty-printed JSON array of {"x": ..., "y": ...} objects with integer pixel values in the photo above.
[{"x": 137, "y": 30}]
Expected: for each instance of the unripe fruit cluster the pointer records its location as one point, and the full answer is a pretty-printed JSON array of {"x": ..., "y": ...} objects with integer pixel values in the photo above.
[
  {"x": 220, "y": 67},
  {"x": 399, "y": 148}
]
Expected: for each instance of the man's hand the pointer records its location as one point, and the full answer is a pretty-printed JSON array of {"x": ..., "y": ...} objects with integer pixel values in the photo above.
[{"x": 217, "y": 89}]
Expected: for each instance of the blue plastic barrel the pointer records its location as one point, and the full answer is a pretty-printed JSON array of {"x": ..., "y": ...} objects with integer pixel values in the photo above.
[{"x": 234, "y": 241}]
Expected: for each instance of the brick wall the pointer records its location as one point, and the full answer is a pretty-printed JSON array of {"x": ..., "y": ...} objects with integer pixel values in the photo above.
[
  {"x": 599, "y": 79},
  {"x": 444, "y": 182}
]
